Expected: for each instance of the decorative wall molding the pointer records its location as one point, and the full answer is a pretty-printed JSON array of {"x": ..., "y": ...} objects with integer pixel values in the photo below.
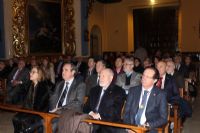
[
  {"x": 19, "y": 48},
  {"x": 19, "y": 27},
  {"x": 69, "y": 28}
]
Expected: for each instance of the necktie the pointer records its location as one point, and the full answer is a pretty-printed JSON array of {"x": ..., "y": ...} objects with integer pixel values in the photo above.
[
  {"x": 16, "y": 74},
  {"x": 177, "y": 67},
  {"x": 141, "y": 108},
  {"x": 98, "y": 104},
  {"x": 159, "y": 83},
  {"x": 98, "y": 80},
  {"x": 62, "y": 98}
]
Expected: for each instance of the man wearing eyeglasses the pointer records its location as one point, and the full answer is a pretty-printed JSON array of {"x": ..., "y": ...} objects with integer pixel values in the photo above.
[
  {"x": 146, "y": 104},
  {"x": 129, "y": 78}
]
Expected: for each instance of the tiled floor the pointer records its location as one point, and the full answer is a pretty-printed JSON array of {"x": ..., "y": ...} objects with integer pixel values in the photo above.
[
  {"x": 6, "y": 122},
  {"x": 192, "y": 125}
]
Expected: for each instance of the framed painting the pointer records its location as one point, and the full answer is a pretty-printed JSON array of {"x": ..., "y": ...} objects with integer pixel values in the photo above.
[{"x": 43, "y": 27}]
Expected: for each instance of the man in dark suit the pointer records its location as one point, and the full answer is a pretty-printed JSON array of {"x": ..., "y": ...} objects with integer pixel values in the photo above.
[
  {"x": 91, "y": 70},
  {"x": 93, "y": 80},
  {"x": 179, "y": 66},
  {"x": 146, "y": 105},
  {"x": 105, "y": 101},
  {"x": 17, "y": 83},
  {"x": 73, "y": 91},
  {"x": 58, "y": 69},
  {"x": 168, "y": 83},
  {"x": 170, "y": 68}
]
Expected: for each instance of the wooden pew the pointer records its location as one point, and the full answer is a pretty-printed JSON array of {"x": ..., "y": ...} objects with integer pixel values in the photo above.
[
  {"x": 3, "y": 92},
  {"x": 49, "y": 116},
  {"x": 120, "y": 125},
  {"x": 137, "y": 129},
  {"x": 175, "y": 118},
  {"x": 46, "y": 116}
]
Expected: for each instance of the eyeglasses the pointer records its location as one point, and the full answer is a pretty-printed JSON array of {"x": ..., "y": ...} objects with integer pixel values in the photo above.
[
  {"x": 145, "y": 76},
  {"x": 33, "y": 72},
  {"x": 126, "y": 64}
]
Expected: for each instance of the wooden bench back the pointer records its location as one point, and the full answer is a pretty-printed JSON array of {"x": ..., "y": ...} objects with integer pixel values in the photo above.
[
  {"x": 46, "y": 116},
  {"x": 3, "y": 92}
]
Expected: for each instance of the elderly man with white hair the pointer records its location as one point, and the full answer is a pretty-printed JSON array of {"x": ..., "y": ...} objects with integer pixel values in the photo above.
[
  {"x": 170, "y": 68},
  {"x": 105, "y": 101}
]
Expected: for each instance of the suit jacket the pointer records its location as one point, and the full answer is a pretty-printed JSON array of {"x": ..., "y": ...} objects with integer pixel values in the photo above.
[
  {"x": 90, "y": 83},
  {"x": 171, "y": 89},
  {"x": 135, "y": 80},
  {"x": 116, "y": 74},
  {"x": 75, "y": 95},
  {"x": 22, "y": 76},
  {"x": 111, "y": 102},
  {"x": 156, "y": 110},
  {"x": 180, "y": 82},
  {"x": 182, "y": 69},
  {"x": 58, "y": 71},
  {"x": 87, "y": 75}
]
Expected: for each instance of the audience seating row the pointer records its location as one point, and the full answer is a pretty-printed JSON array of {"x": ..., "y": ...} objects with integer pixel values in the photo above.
[
  {"x": 3, "y": 92},
  {"x": 184, "y": 93}
]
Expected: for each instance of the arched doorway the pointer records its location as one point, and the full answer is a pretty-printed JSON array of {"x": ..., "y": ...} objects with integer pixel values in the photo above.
[{"x": 95, "y": 41}]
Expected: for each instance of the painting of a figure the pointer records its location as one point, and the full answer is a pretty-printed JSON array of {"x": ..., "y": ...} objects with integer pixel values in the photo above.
[{"x": 44, "y": 27}]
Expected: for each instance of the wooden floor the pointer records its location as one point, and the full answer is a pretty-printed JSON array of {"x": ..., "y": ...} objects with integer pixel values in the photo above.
[{"x": 192, "y": 125}]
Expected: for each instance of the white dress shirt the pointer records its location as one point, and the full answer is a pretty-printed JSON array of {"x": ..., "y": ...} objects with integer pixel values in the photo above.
[
  {"x": 163, "y": 81},
  {"x": 69, "y": 85},
  {"x": 143, "y": 117}
]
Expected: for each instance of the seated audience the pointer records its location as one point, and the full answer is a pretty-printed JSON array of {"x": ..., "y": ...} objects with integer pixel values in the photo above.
[
  {"x": 69, "y": 93},
  {"x": 81, "y": 66},
  {"x": 48, "y": 69},
  {"x": 93, "y": 80},
  {"x": 146, "y": 104},
  {"x": 17, "y": 83},
  {"x": 170, "y": 69},
  {"x": 179, "y": 66},
  {"x": 167, "y": 83},
  {"x": 33, "y": 63},
  {"x": 105, "y": 102},
  {"x": 91, "y": 70},
  {"x": 147, "y": 63},
  {"x": 129, "y": 78},
  {"x": 118, "y": 69},
  {"x": 58, "y": 69},
  {"x": 138, "y": 66},
  {"x": 37, "y": 99},
  {"x": 4, "y": 71}
]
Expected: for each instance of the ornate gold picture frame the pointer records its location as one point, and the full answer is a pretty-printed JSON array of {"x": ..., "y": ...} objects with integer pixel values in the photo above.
[{"x": 21, "y": 38}]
